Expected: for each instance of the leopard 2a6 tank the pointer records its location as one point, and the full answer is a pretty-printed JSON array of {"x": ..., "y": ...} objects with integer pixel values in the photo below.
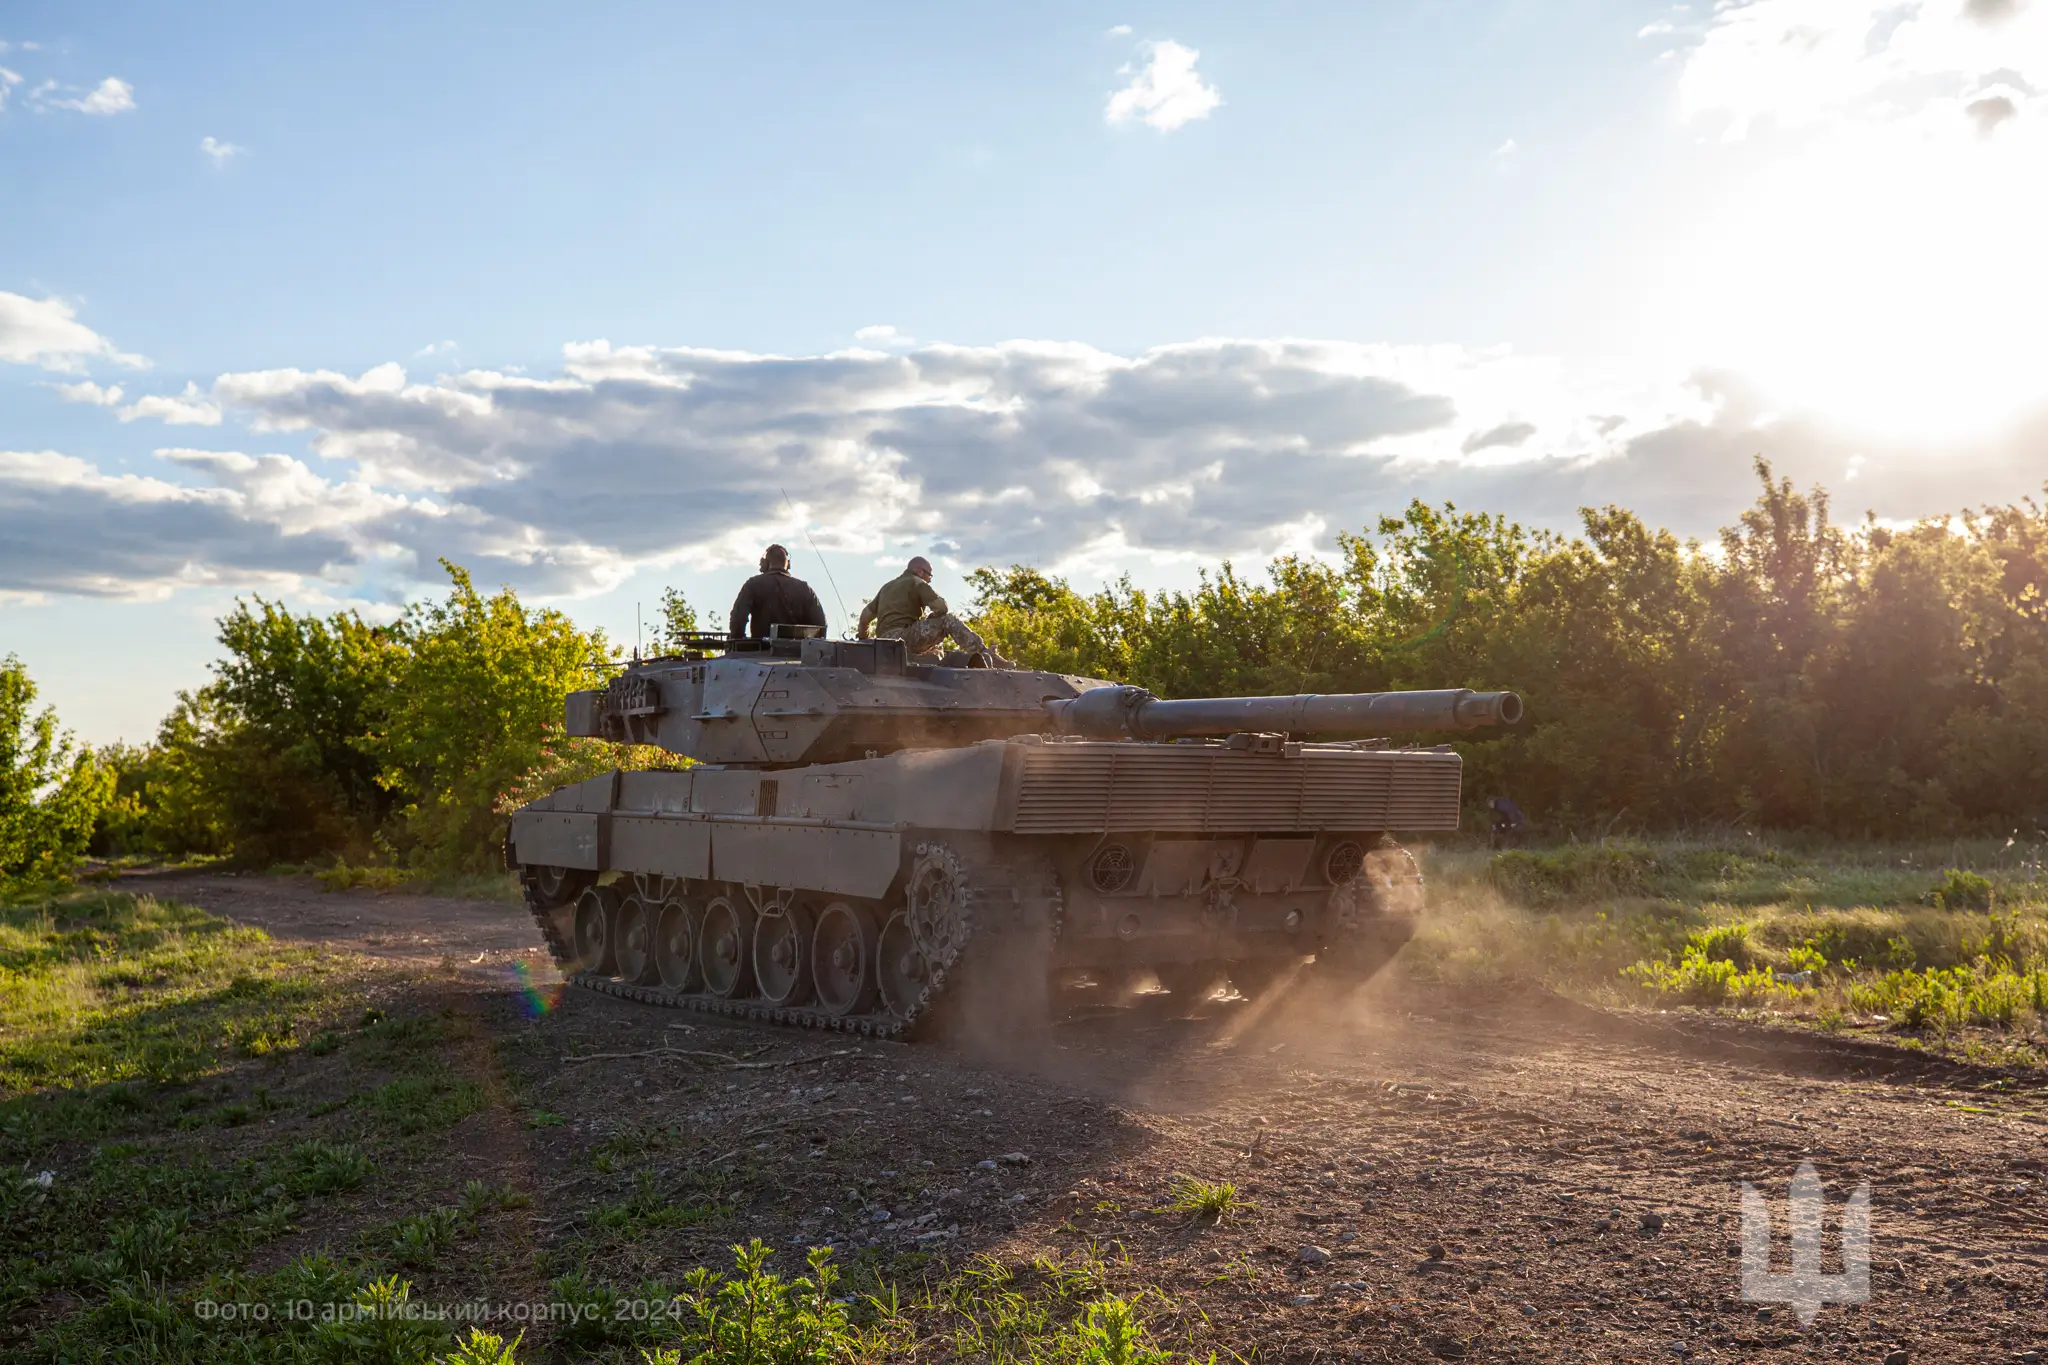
[{"x": 864, "y": 836}]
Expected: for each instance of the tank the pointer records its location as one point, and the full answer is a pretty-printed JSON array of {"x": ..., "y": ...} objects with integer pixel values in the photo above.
[{"x": 865, "y": 840}]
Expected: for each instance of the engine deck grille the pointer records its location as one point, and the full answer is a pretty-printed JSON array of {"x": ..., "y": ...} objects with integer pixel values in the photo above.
[{"x": 1091, "y": 788}]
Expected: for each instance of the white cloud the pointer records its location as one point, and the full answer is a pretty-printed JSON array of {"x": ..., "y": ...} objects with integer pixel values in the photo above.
[
  {"x": 220, "y": 152},
  {"x": 884, "y": 336},
  {"x": 434, "y": 348},
  {"x": 1166, "y": 93},
  {"x": 85, "y": 391},
  {"x": 190, "y": 409},
  {"x": 1117, "y": 31},
  {"x": 1053, "y": 453},
  {"x": 1030, "y": 450},
  {"x": 1653, "y": 30},
  {"x": 47, "y": 332},
  {"x": 1505, "y": 150},
  {"x": 8, "y": 80},
  {"x": 69, "y": 528},
  {"x": 111, "y": 96}
]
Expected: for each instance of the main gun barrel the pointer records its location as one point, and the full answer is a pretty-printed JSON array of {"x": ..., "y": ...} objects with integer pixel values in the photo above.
[{"x": 1134, "y": 713}]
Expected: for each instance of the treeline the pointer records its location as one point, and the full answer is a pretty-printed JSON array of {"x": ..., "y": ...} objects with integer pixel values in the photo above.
[
  {"x": 1797, "y": 675},
  {"x": 324, "y": 736},
  {"x": 403, "y": 745}
]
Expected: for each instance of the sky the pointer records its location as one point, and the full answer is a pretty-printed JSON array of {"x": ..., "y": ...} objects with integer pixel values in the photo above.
[{"x": 300, "y": 302}]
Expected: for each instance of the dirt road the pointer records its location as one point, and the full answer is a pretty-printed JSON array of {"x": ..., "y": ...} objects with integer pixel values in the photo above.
[{"x": 1423, "y": 1176}]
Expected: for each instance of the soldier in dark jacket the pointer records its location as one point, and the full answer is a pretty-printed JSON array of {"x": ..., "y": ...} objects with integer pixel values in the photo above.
[{"x": 773, "y": 597}]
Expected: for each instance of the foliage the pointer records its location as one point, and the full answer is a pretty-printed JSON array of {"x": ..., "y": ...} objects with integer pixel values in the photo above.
[
  {"x": 343, "y": 876},
  {"x": 484, "y": 678},
  {"x": 1865, "y": 682},
  {"x": 1703, "y": 979},
  {"x": 51, "y": 790},
  {"x": 330, "y": 737},
  {"x": 562, "y": 761},
  {"x": 483, "y": 1348},
  {"x": 1110, "y": 1332},
  {"x": 755, "y": 1317},
  {"x": 1573, "y": 872},
  {"x": 1961, "y": 889}
]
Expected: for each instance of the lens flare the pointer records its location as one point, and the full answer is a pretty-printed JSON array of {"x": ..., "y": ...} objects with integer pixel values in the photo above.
[{"x": 539, "y": 992}]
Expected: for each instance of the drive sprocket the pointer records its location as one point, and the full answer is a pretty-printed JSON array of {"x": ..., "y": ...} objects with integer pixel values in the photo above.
[{"x": 936, "y": 904}]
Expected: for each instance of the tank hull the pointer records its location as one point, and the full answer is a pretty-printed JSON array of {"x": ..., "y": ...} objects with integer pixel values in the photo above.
[{"x": 863, "y": 895}]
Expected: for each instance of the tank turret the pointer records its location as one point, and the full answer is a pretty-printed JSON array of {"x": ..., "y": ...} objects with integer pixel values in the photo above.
[
  {"x": 863, "y": 834},
  {"x": 824, "y": 701}
]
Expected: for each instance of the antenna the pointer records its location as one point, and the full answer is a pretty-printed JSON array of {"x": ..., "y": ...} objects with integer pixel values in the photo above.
[{"x": 820, "y": 555}]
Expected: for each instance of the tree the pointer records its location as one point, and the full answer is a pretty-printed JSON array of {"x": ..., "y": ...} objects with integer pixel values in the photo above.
[
  {"x": 51, "y": 788},
  {"x": 482, "y": 683}
]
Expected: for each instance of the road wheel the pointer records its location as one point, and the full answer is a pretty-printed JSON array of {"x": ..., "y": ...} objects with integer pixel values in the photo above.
[
  {"x": 901, "y": 971},
  {"x": 675, "y": 946},
  {"x": 843, "y": 952},
  {"x": 782, "y": 956},
  {"x": 633, "y": 941},
  {"x": 725, "y": 945},
  {"x": 594, "y": 930}
]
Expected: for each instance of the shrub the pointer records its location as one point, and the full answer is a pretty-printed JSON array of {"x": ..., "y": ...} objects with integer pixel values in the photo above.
[
  {"x": 1961, "y": 890},
  {"x": 1703, "y": 980},
  {"x": 1726, "y": 943}
]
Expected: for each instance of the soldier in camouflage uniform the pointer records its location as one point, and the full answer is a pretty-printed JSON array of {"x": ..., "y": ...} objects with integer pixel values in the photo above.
[{"x": 909, "y": 610}]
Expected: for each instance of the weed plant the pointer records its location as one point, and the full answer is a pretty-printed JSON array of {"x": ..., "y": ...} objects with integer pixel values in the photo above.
[{"x": 1203, "y": 1200}]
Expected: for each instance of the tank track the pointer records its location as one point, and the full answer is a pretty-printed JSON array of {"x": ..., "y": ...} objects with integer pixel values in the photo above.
[{"x": 1001, "y": 892}]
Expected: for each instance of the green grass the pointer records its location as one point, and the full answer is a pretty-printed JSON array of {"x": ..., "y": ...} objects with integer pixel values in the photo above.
[
  {"x": 101, "y": 987},
  {"x": 1920, "y": 939},
  {"x": 1207, "y": 1200},
  {"x": 1754, "y": 872},
  {"x": 146, "y": 1051}
]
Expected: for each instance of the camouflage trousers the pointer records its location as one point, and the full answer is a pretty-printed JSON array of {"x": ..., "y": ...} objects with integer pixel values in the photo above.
[{"x": 925, "y": 636}]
